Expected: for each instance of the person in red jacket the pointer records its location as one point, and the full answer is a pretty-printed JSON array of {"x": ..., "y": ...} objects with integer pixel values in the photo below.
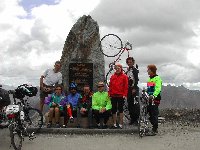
[{"x": 118, "y": 90}]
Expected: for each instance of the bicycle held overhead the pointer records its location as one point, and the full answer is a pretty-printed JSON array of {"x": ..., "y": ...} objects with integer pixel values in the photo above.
[{"x": 111, "y": 46}]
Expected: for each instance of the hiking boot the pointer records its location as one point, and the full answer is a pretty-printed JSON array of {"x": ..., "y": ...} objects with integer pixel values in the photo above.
[
  {"x": 57, "y": 125},
  {"x": 151, "y": 133},
  {"x": 64, "y": 126},
  {"x": 114, "y": 127},
  {"x": 98, "y": 125},
  {"x": 131, "y": 122},
  {"x": 105, "y": 126},
  {"x": 49, "y": 125},
  {"x": 120, "y": 126},
  {"x": 71, "y": 120},
  {"x": 155, "y": 130}
]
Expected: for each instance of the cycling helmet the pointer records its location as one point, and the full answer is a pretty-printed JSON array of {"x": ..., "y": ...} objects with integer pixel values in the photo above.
[
  {"x": 25, "y": 90},
  {"x": 73, "y": 85}
]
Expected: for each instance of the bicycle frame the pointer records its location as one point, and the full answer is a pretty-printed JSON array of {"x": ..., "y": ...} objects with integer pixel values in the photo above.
[
  {"x": 127, "y": 47},
  {"x": 24, "y": 105}
]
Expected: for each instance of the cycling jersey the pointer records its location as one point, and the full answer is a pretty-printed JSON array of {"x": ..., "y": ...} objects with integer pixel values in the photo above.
[
  {"x": 154, "y": 86},
  {"x": 118, "y": 85},
  {"x": 57, "y": 99},
  {"x": 101, "y": 100}
]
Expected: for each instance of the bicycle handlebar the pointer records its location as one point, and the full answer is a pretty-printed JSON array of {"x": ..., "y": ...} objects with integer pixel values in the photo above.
[{"x": 128, "y": 46}]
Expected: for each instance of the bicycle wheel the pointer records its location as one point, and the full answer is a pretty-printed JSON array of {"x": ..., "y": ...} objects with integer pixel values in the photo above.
[
  {"x": 16, "y": 136},
  {"x": 108, "y": 76},
  {"x": 34, "y": 119},
  {"x": 111, "y": 45},
  {"x": 142, "y": 125},
  {"x": 126, "y": 113},
  {"x": 143, "y": 122}
]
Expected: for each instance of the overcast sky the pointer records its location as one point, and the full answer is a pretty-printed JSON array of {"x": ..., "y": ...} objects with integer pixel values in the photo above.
[{"x": 165, "y": 33}]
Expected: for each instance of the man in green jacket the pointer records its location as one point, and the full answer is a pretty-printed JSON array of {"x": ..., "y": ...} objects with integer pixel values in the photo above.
[
  {"x": 154, "y": 86},
  {"x": 101, "y": 106}
]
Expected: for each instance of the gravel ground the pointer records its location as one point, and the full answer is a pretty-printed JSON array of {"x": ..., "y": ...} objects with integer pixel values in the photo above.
[{"x": 171, "y": 136}]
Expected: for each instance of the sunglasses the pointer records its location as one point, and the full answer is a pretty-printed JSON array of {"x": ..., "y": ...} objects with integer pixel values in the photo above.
[
  {"x": 59, "y": 89},
  {"x": 100, "y": 86}
]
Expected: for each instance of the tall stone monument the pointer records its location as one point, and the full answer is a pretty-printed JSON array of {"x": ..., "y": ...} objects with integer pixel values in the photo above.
[{"x": 82, "y": 60}]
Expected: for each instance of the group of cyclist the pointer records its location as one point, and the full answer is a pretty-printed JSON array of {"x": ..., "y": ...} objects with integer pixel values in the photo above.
[{"x": 101, "y": 104}]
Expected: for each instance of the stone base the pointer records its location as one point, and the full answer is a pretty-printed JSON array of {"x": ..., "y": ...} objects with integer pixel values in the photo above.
[
  {"x": 83, "y": 121},
  {"x": 61, "y": 121}
]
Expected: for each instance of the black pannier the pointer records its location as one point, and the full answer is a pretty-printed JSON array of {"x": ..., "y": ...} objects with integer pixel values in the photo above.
[{"x": 25, "y": 90}]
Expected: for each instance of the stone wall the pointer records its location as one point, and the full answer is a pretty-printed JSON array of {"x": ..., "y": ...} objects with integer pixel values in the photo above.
[{"x": 82, "y": 46}]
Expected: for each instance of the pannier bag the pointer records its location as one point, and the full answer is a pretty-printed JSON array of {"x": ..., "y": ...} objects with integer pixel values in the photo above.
[
  {"x": 25, "y": 90},
  {"x": 12, "y": 109}
]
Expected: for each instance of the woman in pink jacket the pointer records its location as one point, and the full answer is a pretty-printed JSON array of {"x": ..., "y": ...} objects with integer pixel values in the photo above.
[{"x": 118, "y": 89}]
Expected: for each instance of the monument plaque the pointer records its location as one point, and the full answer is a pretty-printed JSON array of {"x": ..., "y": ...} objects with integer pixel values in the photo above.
[{"x": 81, "y": 74}]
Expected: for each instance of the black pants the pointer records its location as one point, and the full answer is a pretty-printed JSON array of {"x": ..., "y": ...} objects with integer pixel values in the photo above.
[
  {"x": 153, "y": 113},
  {"x": 88, "y": 114},
  {"x": 117, "y": 104},
  {"x": 104, "y": 115},
  {"x": 134, "y": 109}
]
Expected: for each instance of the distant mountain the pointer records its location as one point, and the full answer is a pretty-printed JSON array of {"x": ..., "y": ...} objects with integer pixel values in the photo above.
[
  {"x": 172, "y": 97},
  {"x": 179, "y": 97},
  {"x": 7, "y": 87}
]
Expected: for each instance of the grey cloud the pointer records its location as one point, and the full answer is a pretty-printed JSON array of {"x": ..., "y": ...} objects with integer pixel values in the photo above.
[
  {"x": 161, "y": 15},
  {"x": 16, "y": 47},
  {"x": 179, "y": 74},
  {"x": 148, "y": 37},
  {"x": 38, "y": 32},
  {"x": 2, "y": 6},
  {"x": 161, "y": 33},
  {"x": 22, "y": 44},
  {"x": 17, "y": 73},
  {"x": 4, "y": 26},
  {"x": 151, "y": 21}
]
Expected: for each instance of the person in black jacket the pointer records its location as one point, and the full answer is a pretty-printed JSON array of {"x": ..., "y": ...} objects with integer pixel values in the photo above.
[
  {"x": 133, "y": 91},
  {"x": 85, "y": 106}
]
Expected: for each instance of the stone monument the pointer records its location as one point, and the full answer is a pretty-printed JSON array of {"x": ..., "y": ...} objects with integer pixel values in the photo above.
[{"x": 82, "y": 60}]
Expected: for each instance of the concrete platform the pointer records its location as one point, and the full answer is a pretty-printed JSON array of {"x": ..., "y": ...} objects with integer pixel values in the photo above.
[{"x": 87, "y": 131}]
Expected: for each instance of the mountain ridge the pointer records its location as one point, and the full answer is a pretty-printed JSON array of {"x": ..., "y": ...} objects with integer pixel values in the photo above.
[{"x": 172, "y": 97}]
